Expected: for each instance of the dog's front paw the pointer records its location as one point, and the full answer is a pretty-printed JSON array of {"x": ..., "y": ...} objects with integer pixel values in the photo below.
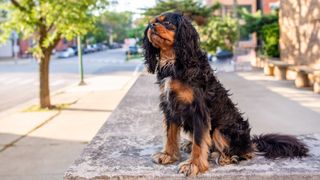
[
  {"x": 163, "y": 158},
  {"x": 226, "y": 160},
  {"x": 188, "y": 169}
]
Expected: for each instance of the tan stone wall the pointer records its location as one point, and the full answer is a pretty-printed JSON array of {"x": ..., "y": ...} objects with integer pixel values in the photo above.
[{"x": 300, "y": 32}]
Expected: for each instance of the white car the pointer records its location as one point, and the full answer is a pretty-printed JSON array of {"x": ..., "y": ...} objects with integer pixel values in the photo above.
[{"x": 69, "y": 52}]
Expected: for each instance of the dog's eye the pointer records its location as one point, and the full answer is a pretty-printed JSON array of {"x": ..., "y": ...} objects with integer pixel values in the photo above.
[{"x": 166, "y": 23}]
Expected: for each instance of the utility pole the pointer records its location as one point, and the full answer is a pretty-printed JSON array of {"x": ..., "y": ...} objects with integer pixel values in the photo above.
[
  {"x": 81, "y": 83},
  {"x": 235, "y": 16}
]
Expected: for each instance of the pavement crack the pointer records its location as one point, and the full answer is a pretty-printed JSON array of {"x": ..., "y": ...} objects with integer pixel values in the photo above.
[{"x": 29, "y": 132}]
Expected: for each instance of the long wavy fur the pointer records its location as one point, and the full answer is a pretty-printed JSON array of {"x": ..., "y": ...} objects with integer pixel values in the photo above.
[
  {"x": 212, "y": 101},
  {"x": 280, "y": 146},
  {"x": 151, "y": 54}
]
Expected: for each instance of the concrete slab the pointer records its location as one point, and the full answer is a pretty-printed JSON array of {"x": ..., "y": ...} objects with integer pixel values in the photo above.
[
  {"x": 48, "y": 151},
  {"x": 102, "y": 101},
  {"x": 303, "y": 96},
  {"x": 69, "y": 126},
  {"x": 38, "y": 161},
  {"x": 67, "y": 98},
  {"x": 21, "y": 123},
  {"x": 6, "y": 139},
  {"x": 123, "y": 146},
  {"x": 94, "y": 84},
  {"x": 273, "y": 106}
]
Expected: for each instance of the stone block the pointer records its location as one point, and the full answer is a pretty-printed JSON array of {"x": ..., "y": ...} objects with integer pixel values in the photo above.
[
  {"x": 280, "y": 72},
  {"x": 302, "y": 79},
  {"x": 268, "y": 69},
  {"x": 123, "y": 147}
]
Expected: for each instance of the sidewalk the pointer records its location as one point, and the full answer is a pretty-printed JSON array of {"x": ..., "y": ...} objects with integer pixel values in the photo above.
[
  {"x": 273, "y": 106},
  {"x": 41, "y": 145},
  {"x": 13, "y": 60}
]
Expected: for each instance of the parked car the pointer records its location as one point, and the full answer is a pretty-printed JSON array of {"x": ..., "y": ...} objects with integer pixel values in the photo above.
[
  {"x": 104, "y": 47},
  {"x": 88, "y": 49},
  {"x": 132, "y": 50},
  {"x": 95, "y": 47},
  {"x": 115, "y": 46},
  {"x": 224, "y": 54},
  {"x": 75, "y": 49},
  {"x": 101, "y": 47},
  {"x": 69, "y": 52}
]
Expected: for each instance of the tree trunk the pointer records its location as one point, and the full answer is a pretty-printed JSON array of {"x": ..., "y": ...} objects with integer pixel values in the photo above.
[{"x": 44, "y": 80}]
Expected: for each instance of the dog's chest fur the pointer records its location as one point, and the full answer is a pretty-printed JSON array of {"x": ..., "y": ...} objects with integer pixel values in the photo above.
[{"x": 165, "y": 88}]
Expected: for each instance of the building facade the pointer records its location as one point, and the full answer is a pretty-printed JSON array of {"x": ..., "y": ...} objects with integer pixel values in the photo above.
[
  {"x": 300, "y": 32},
  {"x": 268, "y": 5}
]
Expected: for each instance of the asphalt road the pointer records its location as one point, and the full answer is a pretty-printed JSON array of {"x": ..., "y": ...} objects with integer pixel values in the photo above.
[{"x": 19, "y": 80}]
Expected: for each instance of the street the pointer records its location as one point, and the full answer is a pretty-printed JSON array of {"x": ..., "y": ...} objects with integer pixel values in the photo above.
[{"x": 19, "y": 80}]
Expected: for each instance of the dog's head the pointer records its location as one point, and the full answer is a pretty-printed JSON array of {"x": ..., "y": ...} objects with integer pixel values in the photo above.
[{"x": 170, "y": 31}]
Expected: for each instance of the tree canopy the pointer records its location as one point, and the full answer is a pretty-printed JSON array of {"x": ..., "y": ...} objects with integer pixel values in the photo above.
[
  {"x": 194, "y": 9},
  {"x": 137, "y": 31},
  {"x": 46, "y": 22},
  {"x": 254, "y": 22},
  {"x": 116, "y": 24},
  {"x": 219, "y": 32},
  {"x": 267, "y": 29}
]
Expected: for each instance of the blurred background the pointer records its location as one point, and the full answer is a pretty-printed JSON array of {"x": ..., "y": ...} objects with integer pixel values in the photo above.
[{"x": 60, "y": 59}]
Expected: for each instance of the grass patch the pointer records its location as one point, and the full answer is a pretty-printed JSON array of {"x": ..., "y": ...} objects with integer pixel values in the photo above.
[
  {"x": 134, "y": 56},
  {"x": 37, "y": 108}
]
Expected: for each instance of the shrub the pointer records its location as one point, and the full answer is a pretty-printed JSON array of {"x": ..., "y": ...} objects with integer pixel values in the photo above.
[
  {"x": 270, "y": 34},
  {"x": 219, "y": 32}
]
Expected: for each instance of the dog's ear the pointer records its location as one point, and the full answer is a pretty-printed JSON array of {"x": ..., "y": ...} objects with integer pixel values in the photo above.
[
  {"x": 150, "y": 53},
  {"x": 187, "y": 42}
]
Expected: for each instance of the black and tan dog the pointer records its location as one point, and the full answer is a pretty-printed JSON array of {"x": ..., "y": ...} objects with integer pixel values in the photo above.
[{"x": 194, "y": 101}]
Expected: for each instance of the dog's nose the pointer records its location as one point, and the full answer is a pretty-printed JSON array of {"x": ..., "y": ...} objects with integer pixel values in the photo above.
[{"x": 152, "y": 25}]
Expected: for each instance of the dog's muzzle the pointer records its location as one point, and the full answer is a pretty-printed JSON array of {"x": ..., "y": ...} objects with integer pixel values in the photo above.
[{"x": 152, "y": 27}]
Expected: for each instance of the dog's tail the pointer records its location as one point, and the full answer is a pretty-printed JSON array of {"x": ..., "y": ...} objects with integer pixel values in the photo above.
[{"x": 280, "y": 146}]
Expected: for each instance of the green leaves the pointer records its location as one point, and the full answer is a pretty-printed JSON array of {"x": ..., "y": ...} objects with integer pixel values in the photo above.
[
  {"x": 191, "y": 8},
  {"x": 267, "y": 29},
  {"x": 219, "y": 32},
  {"x": 48, "y": 20},
  {"x": 254, "y": 22},
  {"x": 271, "y": 40},
  {"x": 116, "y": 22}
]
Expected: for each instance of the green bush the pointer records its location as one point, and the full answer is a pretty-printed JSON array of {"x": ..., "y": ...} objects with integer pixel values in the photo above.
[
  {"x": 270, "y": 34},
  {"x": 219, "y": 32},
  {"x": 267, "y": 28}
]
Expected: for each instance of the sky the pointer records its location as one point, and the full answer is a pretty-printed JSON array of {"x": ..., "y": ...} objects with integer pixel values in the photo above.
[{"x": 134, "y": 6}]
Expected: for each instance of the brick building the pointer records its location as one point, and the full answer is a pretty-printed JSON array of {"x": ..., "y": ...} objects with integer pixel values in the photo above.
[{"x": 268, "y": 5}]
